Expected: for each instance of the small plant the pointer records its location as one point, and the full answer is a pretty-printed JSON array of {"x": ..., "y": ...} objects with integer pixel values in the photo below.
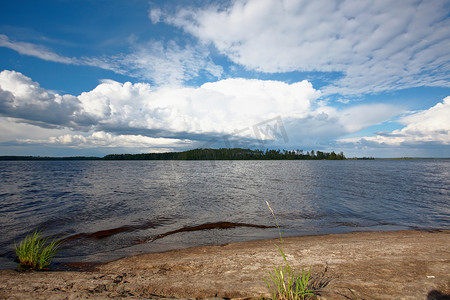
[
  {"x": 36, "y": 252},
  {"x": 286, "y": 283}
]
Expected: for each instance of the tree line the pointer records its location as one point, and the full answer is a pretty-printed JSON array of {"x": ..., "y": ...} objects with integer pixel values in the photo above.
[
  {"x": 230, "y": 154},
  {"x": 203, "y": 154}
]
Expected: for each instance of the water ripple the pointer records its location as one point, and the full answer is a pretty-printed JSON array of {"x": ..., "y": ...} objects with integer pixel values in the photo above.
[{"x": 105, "y": 207}]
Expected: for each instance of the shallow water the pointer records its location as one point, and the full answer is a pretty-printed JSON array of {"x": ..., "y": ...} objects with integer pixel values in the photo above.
[{"x": 111, "y": 209}]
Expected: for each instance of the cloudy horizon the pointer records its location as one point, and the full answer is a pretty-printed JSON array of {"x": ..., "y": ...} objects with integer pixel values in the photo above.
[{"x": 368, "y": 78}]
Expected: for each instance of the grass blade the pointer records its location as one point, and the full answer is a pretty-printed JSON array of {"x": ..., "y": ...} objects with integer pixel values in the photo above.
[{"x": 35, "y": 251}]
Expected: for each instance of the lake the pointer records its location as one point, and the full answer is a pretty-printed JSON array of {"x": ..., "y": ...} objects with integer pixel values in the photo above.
[{"x": 112, "y": 209}]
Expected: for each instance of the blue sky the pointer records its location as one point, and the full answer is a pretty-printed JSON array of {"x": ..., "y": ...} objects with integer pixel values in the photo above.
[{"x": 369, "y": 78}]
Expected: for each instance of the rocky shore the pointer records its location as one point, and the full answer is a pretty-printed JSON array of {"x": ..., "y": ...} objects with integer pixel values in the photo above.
[{"x": 361, "y": 265}]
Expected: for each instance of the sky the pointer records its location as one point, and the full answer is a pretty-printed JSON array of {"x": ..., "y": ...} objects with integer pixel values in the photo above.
[{"x": 90, "y": 78}]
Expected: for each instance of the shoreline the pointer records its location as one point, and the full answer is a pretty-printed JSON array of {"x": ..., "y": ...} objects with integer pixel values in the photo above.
[{"x": 407, "y": 264}]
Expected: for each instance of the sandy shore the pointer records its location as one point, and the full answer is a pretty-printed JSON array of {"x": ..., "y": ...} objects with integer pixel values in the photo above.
[{"x": 362, "y": 265}]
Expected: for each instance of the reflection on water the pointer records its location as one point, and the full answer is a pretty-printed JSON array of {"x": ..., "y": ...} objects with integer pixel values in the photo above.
[{"x": 107, "y": 208}]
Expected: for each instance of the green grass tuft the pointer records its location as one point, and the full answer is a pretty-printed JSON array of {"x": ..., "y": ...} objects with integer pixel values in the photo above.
[
  {"x": 285, "y": 283},
  {"x": 37, "y": 252}
]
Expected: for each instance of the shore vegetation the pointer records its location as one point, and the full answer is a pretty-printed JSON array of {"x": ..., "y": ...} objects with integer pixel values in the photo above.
[
  {"x": 286, "y": 283},
  {"x": 202, "y": 154},
  {"x": 231, "y": 154},
  {"x": 37, "y": 252}
]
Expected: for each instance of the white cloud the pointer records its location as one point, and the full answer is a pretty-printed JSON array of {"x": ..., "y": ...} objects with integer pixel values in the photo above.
[
  {"x": 104, "y": 139},
  {"x": 168, "y": 64},
  {"x": 325, "y": 124},
  {"x": 22, "y": 98},
  {"x": 12, "y": 130},
  {"x": 35, "y": 50},
  {"x": 42, "y": 52},
  {"x": 126, "y": 114},
  {"x": 358, "y": 117},
  {"x": 377, "y": 45},
  {"x": 214, "y": 108},
  {"x": 161, "y": 63},
  {"x": 155, "y": 15},
  {"x": 220, "y": 107},
  {"x": 428, "y": 126}
]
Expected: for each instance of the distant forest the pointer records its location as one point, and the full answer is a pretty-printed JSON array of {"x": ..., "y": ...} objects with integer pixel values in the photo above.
[
  {"x": 203, "y": 154},
  {"x": 228, "y": 154}
]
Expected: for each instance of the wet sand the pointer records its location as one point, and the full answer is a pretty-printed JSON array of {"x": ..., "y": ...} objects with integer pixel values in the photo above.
[{"x": 361, "y": 265}]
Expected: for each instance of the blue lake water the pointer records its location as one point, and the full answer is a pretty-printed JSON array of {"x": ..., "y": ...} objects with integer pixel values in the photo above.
[{"x": 111, "y": 209}]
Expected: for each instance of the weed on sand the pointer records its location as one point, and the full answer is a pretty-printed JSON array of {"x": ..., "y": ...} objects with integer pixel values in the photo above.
[
  {"x": 285, "y": 283},
  {"x": 36, "y": 252}
]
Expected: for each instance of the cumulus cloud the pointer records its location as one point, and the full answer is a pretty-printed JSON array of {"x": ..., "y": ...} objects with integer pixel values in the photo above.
[
  {"x": 219, "y": 107},
  {"x": 377, "y": 45},
  {"x": 22, "y": 98},
  {"x": 124, "y": 113},
  {"x": 356, "y": 118},
  {"x": 13, "y": 129},
  {"x": 101, "y": 139},
  {"x": 421, "y": 128},
  {"x": 214, "y": 108},
  {"x": 325, "y": 124}
]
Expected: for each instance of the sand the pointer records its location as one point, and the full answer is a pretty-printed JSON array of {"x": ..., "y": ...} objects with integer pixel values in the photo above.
[{"x": 361, "y": 265}]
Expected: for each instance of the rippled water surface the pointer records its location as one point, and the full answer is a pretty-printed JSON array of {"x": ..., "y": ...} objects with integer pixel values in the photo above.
[{"x": 111, "y": 209}]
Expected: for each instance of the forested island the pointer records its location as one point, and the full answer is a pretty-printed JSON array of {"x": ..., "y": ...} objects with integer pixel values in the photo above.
[
  {"x": 228, "y": 154},
  {"x": 204, "y": 154}
]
